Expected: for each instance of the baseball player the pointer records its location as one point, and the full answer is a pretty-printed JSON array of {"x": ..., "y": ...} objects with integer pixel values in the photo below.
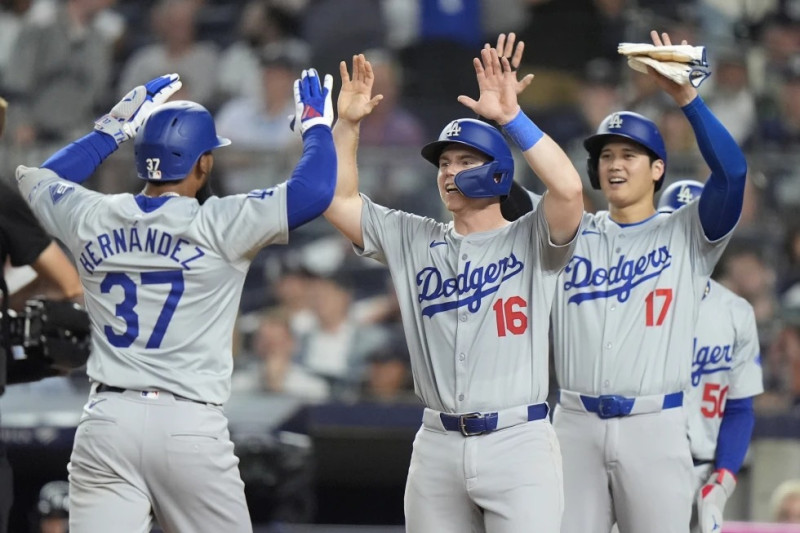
[
  {"x": 726, "y": 374},
  {"x": 623, "y": 319},
  {"x": 163, "y": 275},
  {"x": 475, "y": 295}
]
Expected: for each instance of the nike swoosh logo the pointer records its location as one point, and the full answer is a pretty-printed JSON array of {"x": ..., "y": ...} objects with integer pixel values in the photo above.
[
  {"x": 95, "y": 402},
  {"x": 590, "y": 232},
  {"x": 438, "y": 243}
]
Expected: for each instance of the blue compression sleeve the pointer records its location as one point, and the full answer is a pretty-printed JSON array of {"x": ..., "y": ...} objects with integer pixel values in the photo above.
[
  {"x": 723, "y": 193},
  {"x": 310, "y": 189},
  {"x": 734, "y": 434},
  {"x": 78, "y": 160}
]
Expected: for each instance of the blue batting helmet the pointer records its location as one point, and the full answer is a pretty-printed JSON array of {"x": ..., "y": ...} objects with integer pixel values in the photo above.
[
  {"x": 486, "y": 181},
  {"x": 631, "y": 126},
  {"x": 678, "y": 195},
  {"x": 172, "y": 139}
]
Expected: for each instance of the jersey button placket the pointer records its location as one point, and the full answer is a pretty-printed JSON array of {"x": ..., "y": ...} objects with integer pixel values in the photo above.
[{"x": 463, "y": 339}]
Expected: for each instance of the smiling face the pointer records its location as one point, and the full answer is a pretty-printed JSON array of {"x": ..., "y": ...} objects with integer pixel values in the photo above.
[
  {"x": 627, "y": 173},
  {"x": 453, "y": 159}
]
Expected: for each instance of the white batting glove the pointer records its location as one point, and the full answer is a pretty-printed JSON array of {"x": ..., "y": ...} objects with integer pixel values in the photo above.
[
  {"x": 681, "y": 53},
  {"x": 312, "y": 102},
  {"x": 680, "y": 73},
  {"x": 711, "y": 500},
  {"x": 125, "y": 118}
]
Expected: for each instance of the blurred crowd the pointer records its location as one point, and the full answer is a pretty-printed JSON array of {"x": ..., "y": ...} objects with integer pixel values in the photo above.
[{"x": 316, "y": 321}]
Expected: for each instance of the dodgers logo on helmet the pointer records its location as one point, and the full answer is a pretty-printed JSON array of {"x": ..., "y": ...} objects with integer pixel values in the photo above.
[
  {"x": 679, "y": 194},
  {"x": 631, "y": 126},
  {"x": 172, "y": 139},
  {"x": 486, "y": 181},
  {"x": 615, "y": 121}
]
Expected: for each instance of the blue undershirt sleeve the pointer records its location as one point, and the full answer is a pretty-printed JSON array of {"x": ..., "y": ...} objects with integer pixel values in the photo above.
[
  {"x": 313, "y": 182},
  {"x": 78, "y": 160},
  {"x": 734, "y": 434},
  {"x": 723, "y": 193}
]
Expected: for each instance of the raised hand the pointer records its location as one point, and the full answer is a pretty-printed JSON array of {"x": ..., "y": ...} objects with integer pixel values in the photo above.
[
  {"x": 498, "y": 88},
  {"x": 682, "y": 94},
  {"x": 355, "y": 100},
  {"x": 125, "y": 118},
  {"x": 312, "y": 101},
  {"x": 505, "y": 48}
]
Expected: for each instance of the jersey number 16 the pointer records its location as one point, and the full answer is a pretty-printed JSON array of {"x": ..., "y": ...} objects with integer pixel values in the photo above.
[{"x": 510, "y": 317}]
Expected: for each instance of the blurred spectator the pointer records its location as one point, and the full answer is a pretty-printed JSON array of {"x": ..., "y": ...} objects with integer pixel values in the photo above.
[
  {"x": 388, "y": 376},
  {"x": 262, "y": 123},
  {"x": 729, "y": 95},
  {"x": 389, "y": 124},
  {"x": 174, "y": 24},
  {"x": 61, "y": 68},
  {"x": 52, "y": 508},
  {"x": 779, "y": 126},
  {"x": 338, "y": 29},
  {"x": 455, "y": 31},
  {"x": 781, "y": 367},
  {"x": 780, "y": 40},
  {"x": 557, "y": 62},
  {"x": 293, "y": 292},
  {"x": 276, "y": 370},
  {"x": 743, "y": 271},
  {"x": 239, "y": 66},
  {"x": 337, "y": 348},
  {"x": 685, "y": 160},
  {"x": 785, "y": 502},
  {"x": 597, "y": 97},
  {"x": 12, "y": 15},
  {"x": 790, "y": 276}
]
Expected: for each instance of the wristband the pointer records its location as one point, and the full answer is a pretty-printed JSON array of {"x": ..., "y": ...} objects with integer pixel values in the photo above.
[{"x": 523, "y": 131}]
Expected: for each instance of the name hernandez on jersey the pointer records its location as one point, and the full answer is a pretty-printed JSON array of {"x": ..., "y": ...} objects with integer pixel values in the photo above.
[
  {"x": 131, "y": 239},
  {"x": 163, "y": 277}
]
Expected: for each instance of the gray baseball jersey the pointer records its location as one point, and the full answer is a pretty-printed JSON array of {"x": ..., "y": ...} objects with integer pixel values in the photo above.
[
  {"x": 625, "y": 310},
  {"x": 627, "y": 304},
  {"x": 166, "y": 327},
  {"x": 475, "y": 308},
  {"x": 726, "y": 364}
]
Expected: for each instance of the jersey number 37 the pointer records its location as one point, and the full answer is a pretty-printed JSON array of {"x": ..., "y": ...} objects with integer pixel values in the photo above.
[{"x": 126, "y": 309}]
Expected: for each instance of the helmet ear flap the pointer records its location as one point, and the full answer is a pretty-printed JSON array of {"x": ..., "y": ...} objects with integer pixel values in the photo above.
[{"x": 591, "y": 170}]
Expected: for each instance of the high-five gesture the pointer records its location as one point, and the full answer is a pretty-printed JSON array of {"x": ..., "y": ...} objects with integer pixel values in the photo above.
[
  {"x": 355, "y": 100},
  {"x": 498, "y": 88},
  {"x": 505, "y": 48}
]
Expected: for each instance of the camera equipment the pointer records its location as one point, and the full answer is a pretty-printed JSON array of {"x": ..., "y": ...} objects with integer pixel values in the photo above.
[{"x": 47, "y": 336}]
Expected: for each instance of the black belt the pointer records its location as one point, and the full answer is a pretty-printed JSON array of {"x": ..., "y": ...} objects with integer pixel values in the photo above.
[
  {"x": 102, "y": 387},
  {"x": 701, "y": 462}
]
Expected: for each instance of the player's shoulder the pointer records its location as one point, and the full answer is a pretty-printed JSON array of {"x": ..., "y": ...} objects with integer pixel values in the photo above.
[
  {"x": 412, "y": 219},
  {"x": 723, "y": 296}
]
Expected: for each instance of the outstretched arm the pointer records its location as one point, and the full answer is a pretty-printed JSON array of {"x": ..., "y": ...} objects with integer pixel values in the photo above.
[
  {"x": 563, "y": 203},
  {"x": 355, "y": 102},
  {"x": 723, "y": 194}
]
